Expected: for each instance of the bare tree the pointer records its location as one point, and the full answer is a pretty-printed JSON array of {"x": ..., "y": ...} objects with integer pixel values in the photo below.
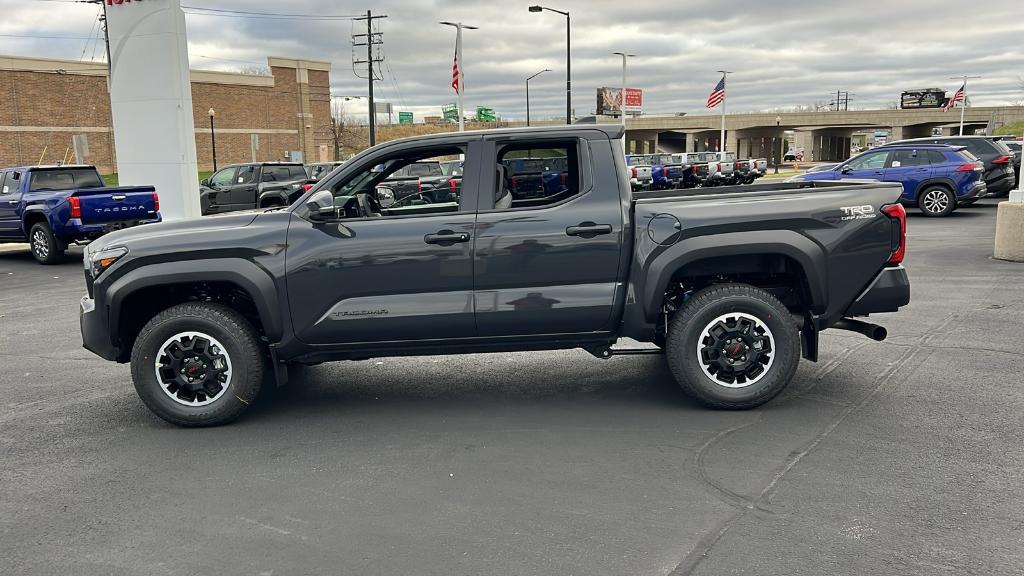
[
  {"x": 254, "y": 70},
  {"x": 343, "y": 132}
]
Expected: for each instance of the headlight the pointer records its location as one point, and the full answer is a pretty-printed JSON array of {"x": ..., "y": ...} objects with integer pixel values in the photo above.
[{"x": 100, "y": 261}]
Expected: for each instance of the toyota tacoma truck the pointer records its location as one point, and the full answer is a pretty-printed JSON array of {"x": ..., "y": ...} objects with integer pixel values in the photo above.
[
  {"x": 51, "y": 207},
  {"x": 255, "y": 185},
  {"x": 732, "y": 284}
]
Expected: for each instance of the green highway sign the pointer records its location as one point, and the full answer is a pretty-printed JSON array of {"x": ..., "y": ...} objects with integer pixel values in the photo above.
[{"x": 405, "y": 117}]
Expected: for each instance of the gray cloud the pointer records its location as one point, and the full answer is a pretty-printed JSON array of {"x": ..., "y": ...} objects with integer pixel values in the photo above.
[{"x": 783, "y": 54}]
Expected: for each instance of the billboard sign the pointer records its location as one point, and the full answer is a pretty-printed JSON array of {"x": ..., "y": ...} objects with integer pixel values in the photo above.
[
  {"x": 927, "y": 98},
  {"x": 608, "y": 100},
  {"x": 405, "y": 117}
]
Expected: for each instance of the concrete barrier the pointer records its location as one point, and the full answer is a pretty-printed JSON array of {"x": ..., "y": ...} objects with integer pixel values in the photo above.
[{"x": 1010, "y": 232}]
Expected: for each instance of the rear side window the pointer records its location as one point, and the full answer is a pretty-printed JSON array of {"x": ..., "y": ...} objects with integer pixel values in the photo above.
[
  {"x": 281, "y": 173},
  {"x": 936, "y": 157},
  {"x": 532, "y": 175},
  {"x": 906, "y": 158},
  {"x": 65, "y": 179},
  {"x": 4, "y": 187},
  {"x": 1002, "y": 147}
]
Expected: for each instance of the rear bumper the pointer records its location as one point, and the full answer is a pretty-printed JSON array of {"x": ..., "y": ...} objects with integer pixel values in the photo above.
[
  {"x": 95, "y": 332},
  {"x": 76, "y": 230},
  {"x": 1001, "y": 184},
  {"x": 889, "y": 291}
]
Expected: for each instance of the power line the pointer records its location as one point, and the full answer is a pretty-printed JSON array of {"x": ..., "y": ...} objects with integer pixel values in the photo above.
[{"x": 198, "y": 10}]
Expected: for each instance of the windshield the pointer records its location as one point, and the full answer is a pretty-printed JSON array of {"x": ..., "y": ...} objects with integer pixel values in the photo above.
[{"x": 65, "y": 179}]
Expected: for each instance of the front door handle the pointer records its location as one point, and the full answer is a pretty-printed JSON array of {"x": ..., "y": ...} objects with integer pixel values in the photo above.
[
  {"x": 446, "y": 237},
  {"x": 588, "y": 229},
  {"x": 12, "y": 202}
]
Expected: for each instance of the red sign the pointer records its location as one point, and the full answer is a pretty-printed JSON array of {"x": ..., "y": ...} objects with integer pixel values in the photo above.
[{"x": 634, "y": 98}]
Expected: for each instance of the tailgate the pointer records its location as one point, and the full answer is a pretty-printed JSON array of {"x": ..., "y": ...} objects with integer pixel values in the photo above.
[
  {"x": 643, "y": 172},
  {"x": 125, "y": 203}
]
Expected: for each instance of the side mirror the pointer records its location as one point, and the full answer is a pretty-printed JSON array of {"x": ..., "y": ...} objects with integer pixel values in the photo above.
[
  {"x": 845, "y": 169},
  {"x": 205, "y": 182},
  {"x": 321, "y": 205},
  {"x": 385, "y": 196}
]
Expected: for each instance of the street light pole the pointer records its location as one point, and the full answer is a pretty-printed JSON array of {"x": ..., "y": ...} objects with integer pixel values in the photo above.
[
  {"x": 568, "y": 58},
  {"x": 213, "y": 140},
  {"x": 778, "y": 134},
  {"x": 528, "y": 93},
  {"x": 622, "y": 96},
  {"x": 458, "y": 61}
]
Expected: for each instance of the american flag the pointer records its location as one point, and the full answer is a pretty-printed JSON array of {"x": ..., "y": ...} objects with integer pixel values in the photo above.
[
  {"x": 455, "y": 73},
  {"x": 958, "y": 97},
  {"x": 718, "y": 94}
]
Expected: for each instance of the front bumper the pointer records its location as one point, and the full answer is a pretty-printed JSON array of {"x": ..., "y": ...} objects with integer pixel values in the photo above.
[
  {"x": 889, "y": 291},
  {"x": 95, "y": 332}
]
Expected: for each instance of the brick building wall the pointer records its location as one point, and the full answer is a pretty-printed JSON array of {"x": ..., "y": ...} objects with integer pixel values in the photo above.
[{"x": 47, "y": 102}]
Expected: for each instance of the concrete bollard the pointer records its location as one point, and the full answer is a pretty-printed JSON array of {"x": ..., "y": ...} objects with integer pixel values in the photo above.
[{"x": 1010, "y": 230}]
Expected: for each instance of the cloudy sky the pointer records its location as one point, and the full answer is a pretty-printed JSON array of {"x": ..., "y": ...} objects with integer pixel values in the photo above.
[{"x": 783, "y": 54}]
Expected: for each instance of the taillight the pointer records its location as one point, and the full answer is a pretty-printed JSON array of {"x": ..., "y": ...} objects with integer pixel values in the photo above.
[
  {"x": 419, "y": 185},
  {"x": 634, "y": 172},
  {"x": 563, "y": 178},
  {"x": 693, "y": 169},
  {"x": 899, "y": 232},
  {"x": 515, "y": 183},
  {"x": 737, "y": 166},
  {"x": 451, "y": 185},
  {"x": 972, "y": 167},
  {"x": 664, "y": 171},
  {"x": 76, "y": 206},
  {"x": 719, "y": 166},
  {"x": 1002, "y": 160},
  {"x": 156, "y": 202}
]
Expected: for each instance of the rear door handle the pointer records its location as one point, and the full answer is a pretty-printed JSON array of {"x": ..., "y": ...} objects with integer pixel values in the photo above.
[
  {"x": 446, "y": 237},
  {"x": 588, "y": 229}
]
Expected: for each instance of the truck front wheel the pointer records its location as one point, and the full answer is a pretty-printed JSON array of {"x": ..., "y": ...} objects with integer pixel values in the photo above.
[
  {"x": 198, "y": 364},
  {"x": 733, "y": 346},
  {"x": 46, "y": 249}
]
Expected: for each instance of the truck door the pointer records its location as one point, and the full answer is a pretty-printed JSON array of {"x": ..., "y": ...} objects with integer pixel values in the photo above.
[
  {"x": 375, "y": 273},
  {"x": 910, "y": 168},
  {"x": 9, "y": 199},
  {"x": 243, "y": 190},
  {"x": 548, "y": 264}
]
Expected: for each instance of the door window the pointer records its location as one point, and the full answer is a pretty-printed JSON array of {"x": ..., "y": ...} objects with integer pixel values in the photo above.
[
  {"x": 869, "y": 161},
  {"x": 409, "y": 183},
  {"x": 224, "y": 177},
  {"x": 908, "y": 158},
  {"x": 536, "y": 174},
  {"x": 4, "y": 187},
  {"x": 246, "y": 174}
]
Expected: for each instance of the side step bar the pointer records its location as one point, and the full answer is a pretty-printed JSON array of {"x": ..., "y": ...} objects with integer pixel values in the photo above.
[{"x": 606, "y": 352}]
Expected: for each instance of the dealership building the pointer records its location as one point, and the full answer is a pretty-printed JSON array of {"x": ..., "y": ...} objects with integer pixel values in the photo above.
[{"x": 282, "y": 115}]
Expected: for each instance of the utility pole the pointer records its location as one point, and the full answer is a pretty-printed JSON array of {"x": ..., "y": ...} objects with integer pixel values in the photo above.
[{"x": 371, "y": 41}]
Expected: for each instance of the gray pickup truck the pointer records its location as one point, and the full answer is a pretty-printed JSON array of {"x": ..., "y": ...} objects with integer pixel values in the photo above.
[
  {"x": 255, "y": 185},
  {"x": 732, "y": 284}
]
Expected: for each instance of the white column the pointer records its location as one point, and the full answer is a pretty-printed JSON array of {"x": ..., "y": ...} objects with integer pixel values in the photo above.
[{"x": 151, "y": 103}]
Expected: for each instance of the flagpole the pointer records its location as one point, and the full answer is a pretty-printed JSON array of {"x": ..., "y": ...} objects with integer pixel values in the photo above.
[
  {"x": 458, "y": 60},
  {"x": 721, "y": 136},
  {"x": 963, "y": 108},
  {"x": 458, "y": 57}
]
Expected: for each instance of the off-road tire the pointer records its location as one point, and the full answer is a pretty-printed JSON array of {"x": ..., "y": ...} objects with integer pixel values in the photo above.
[
  {"x": 688, "y": 328},
  {"x": 241, "y": 345}
]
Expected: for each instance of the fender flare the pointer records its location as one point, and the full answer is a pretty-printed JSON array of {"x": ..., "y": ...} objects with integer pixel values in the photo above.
[
  {"x": 247, "y": 275},
  {"x": 804, "y": 251},
  {"x": 278, "y": 194},
  {"x": 30, "y": 212}
]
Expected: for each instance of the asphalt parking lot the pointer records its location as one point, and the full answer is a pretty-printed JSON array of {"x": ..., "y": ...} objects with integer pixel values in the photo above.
[{"x": 900, "y": 457}]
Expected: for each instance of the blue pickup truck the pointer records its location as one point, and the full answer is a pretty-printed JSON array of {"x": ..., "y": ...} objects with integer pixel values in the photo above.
[{"x": 51, "y": 207}]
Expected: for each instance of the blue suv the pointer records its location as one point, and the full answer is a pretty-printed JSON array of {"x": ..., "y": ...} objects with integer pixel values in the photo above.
[{"x": 936, "y": 178}]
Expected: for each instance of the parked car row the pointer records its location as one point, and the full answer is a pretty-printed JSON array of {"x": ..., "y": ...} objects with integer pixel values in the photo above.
[
  {"x": 692, "y": 170},
  {"x": 938, "y": 174}
]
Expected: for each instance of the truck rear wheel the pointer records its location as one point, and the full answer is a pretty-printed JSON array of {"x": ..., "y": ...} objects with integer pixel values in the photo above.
[
  {"x": 46, "y": 249},
  {"x": 198, "y": 364},
  {"x": 733, "y": 346}
]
